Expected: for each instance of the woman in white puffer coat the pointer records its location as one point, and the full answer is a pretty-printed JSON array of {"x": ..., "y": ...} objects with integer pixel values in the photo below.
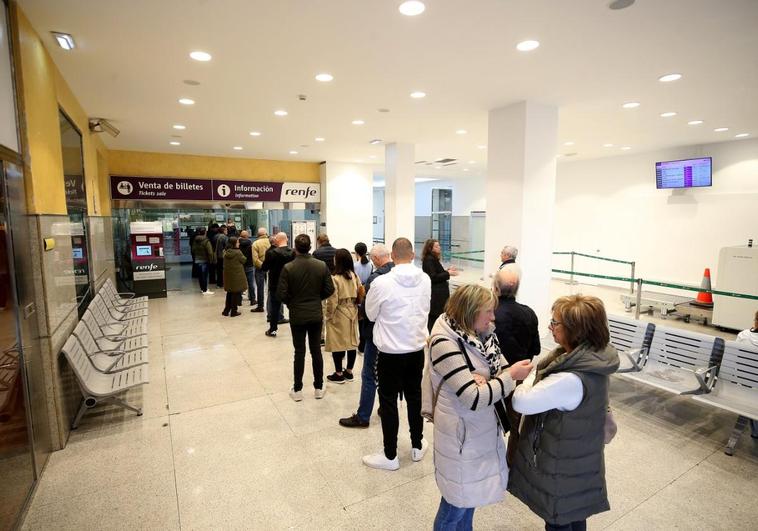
[{"x": 469, "y": 452}]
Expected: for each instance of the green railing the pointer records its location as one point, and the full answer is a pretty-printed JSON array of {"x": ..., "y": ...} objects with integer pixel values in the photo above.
[
  {"x": 639, "y": 282},
  {"x": 574, "y": 254}
]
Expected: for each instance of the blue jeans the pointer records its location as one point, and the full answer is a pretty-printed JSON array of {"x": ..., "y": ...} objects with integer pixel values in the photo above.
[
  {"x": 452, "y": 518},
  {"x": 368, "y": 381},
  {"x": 260, "y": 282},
  {"x": 250, "y": 274},
  {"x": 202, "y": 275}
]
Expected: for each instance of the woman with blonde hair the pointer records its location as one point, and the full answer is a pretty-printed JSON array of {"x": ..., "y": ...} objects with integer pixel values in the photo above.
[
  {"x": 559, "y": 468},
  {"x": 468, "y": 377}
]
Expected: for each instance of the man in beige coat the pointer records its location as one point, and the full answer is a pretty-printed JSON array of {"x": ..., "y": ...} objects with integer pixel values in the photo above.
[{"x": 260, "y": 246}]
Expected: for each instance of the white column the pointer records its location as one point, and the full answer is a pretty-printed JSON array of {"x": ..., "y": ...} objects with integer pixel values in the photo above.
[
  {"x": 399, "y": 193},
  {"x": 520, "y": 192},
  {"x": 347, "y": 196}
]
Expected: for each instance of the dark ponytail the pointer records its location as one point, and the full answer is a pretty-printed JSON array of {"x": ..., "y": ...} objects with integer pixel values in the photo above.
[{"x": 362, "y": 251}]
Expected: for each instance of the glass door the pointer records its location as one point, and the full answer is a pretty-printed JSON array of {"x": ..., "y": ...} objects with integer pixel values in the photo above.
[{"x": 16, "y": 456}]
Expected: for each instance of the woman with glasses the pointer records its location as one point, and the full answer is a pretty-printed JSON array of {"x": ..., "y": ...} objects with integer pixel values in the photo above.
[{"x": 559, "y": 469}]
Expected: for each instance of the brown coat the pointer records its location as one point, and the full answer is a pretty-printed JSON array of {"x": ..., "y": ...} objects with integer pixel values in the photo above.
[{"x": 341, "y": 315}]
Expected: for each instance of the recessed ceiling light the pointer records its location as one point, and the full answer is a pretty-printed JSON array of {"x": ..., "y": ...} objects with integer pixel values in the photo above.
[
  {"x": 668, "y": 78},
  {"x": 668, "y": 114},
  {"x": 465, "y": 169},
  {"x": 358, "y": 122},
  {"x": 255, "y": 133},
  {"x": 237, "y": 148},
  {"x": 461, "y": 132},
  {"x": 472, "y": 162},
  {"x": 625, "y": 148},
  {"x": 201, "y": 56},
  {"x": 319, "y": 139},
  {"x": 418, "y": 95},
  {"x": 293, "y": 152},
  {"x": 694, "y": 122},
  {"x": 569, "y": 143},
  {"x": 191, "y": 82},
  {"x": 411, "y": 8},
  {"x": 280, "y": 112},
  {"x": 720, "y": 129},
  {"x": 175, "y": 143},
  {"x": 742, "y": 135},
  {"x": 527, "y": 46},
  {"x": 179, "y": 127},
  {"x": 186, "y": 101},
  {"x": 631, "y": 105},
  {"x": 324, "y": 77},
  {"x": 481, "y": 146},
  {"x": 64, "y": 40},
  {"x": 375, "y": 141},
  {"x": 607, "y": 145},
  {"x": 372, "y": 156}
]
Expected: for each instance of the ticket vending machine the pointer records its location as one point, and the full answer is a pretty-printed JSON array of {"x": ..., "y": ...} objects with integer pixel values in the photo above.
[{"x": 148, "y": 261}]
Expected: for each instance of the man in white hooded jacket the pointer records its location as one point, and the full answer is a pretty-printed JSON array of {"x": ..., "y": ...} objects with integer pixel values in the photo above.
[{"x": 398, "y": 303}]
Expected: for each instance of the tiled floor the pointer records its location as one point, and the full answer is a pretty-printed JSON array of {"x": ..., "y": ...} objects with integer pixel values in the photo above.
[{"x": 221, "y": 446}]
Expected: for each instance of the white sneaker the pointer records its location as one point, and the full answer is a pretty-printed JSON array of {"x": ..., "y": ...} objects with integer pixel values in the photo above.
[
  {"x": 207, "y": 293},
  {"x": 381, "y": 462},
  {"x": 297, "y": 396},
  {"x": 418, "y": 455},
  {"x": 319, "y": 393}
]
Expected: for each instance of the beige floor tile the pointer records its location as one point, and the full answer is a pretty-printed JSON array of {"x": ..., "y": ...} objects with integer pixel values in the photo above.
[
  {"x": 272, "y": 487},
  {"x": 202, "y": 361},
  {"x": 149, "y": 503},
  {"x": 124, "y": 454},
  {"x": 227, "y": 429},
  {"x": 212, "y": 388}
]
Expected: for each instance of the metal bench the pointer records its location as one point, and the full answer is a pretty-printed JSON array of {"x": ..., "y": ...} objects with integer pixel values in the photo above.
[
  {"x": 632, "y": 339},
  {"x": 119, "y": 314},
  {"x": 97, "y": 387},
  {"x": 679, "y": 361},
  {"x": 123, "y": 298},
  {"x": 107, "y": 361},
  {"x": 113, "y": 326},
  {"x": 736, "y": 387}
]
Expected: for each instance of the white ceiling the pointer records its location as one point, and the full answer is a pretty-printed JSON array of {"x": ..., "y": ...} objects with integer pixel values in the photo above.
[{"x": 132, "y": 57}]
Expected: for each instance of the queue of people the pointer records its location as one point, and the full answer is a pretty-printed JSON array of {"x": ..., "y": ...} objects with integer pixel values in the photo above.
[{"x": 467, "y": 362}]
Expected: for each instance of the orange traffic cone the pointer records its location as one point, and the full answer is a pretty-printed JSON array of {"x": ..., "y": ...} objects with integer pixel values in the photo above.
[{"x": 705, "y": 299}]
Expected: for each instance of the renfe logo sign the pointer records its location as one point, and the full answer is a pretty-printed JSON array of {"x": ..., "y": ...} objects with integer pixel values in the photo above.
[{"x": 171, "y": 188}]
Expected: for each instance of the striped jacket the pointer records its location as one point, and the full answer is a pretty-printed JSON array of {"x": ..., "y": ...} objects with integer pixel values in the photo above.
[{"x": 469, "y": 452}]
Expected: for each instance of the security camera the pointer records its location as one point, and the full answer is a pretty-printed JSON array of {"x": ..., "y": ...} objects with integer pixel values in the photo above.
[
  {"x": 228, "y": 205},
  {"x": 100, "y": 125}
]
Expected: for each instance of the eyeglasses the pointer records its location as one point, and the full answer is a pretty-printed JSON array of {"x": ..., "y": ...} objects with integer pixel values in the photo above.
[{"x": 554, "y": 323}]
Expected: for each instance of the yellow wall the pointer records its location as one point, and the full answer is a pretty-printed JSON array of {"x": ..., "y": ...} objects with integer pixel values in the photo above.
[
  {"x": 44, "y": 90},
  {"x": 143, "y": 164}
]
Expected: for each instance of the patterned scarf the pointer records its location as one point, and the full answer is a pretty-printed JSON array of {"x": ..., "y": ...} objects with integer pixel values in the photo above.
[{"x": 486, "y": 344}]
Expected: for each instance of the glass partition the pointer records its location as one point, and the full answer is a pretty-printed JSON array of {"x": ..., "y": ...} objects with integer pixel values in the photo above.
[{"x": 76, "y": 204}]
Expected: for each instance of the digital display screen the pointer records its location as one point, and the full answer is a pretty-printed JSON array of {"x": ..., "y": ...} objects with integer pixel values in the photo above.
[
  {"x": 689, "y": 173},
  {"x": 78, "y": 253},
  {"x": 144, "y": 250}
]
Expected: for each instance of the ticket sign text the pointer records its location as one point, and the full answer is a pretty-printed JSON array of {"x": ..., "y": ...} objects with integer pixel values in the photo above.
[{"x": 171, "y": 189}]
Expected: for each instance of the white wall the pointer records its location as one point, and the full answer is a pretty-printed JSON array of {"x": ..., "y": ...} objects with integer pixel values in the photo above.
[
  {"x": 347, "y": 197},
  {"x": 468, "y": 195},
  {"x": 611, "y": 207}
]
